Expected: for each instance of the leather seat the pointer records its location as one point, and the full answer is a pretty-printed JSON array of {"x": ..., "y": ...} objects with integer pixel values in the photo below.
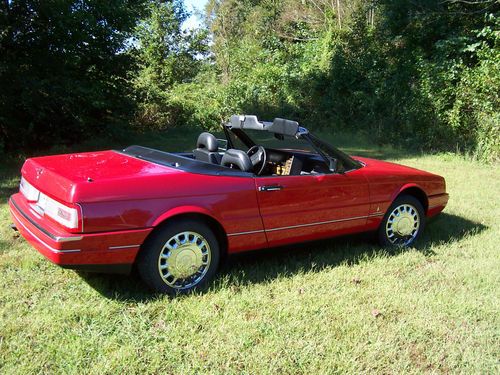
[
  {"x": 206, "y": 149},
  {"x": 236, "y": 158}
]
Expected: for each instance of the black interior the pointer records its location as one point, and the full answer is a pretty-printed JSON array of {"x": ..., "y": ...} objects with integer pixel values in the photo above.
[
  {"x": 184, "y": 161},
  {"x": 207, "y": 158},
  {"x": 278, "y": 162},
  {"x": 233, "y": 158},
  {"x": 207, "y": 149},
  {"x": 301, "y": 162}
]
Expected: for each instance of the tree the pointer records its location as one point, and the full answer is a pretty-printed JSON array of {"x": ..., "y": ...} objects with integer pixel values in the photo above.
[
  {"x": 62, "y": 69},
  {"x": 166, "y": 55}
]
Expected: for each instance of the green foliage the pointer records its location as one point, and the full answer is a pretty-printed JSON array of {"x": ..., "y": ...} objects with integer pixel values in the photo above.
[
  {"x": 62, "y": 70},
  {"x": 452, "y": 100},
  {"x": 422, "y": 74},
  {"x": 166, "y": 56}
]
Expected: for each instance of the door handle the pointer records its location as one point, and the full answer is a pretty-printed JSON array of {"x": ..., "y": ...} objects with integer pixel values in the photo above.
[{"x": 270, "y": 188}]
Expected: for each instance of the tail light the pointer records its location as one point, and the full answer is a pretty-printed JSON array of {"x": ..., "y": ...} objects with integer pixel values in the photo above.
[
  {"x": 64, "y": 215},
  {"x": 30, "y": 192}
]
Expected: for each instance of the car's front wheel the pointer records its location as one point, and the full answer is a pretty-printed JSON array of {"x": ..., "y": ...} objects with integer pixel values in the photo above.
[
  {"x": 403, "y": 223},
  {"x": 180, "y": 257}
]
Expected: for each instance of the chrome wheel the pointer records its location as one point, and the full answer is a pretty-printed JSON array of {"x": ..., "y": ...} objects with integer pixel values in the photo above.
[
  {"x": 402, "y": 225},
  {"x": 184, "y": 260}
]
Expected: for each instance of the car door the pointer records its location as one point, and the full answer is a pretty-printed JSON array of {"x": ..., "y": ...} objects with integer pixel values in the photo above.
[{"x": 314, "y": 206}]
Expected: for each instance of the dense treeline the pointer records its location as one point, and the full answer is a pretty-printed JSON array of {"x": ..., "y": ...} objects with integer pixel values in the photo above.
[
  {"x": 63, "y": 70},
  {"x": 422, "y": 73}
]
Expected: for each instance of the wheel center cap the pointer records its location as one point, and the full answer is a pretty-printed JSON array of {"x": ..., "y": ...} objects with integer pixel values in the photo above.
[
  {"x": 404, "y": 226},
  {"x": 185, "y": 261}
]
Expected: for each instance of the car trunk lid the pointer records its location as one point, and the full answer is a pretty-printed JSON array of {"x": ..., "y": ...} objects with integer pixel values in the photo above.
[{"x": 69, "y": 177}]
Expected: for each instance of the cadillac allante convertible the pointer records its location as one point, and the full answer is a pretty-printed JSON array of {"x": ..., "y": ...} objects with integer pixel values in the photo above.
[{"x": 175, "y": 215}]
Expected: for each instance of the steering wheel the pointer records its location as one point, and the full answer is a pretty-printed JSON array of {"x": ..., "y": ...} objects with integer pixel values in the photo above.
[{"x": 258, "y": 156}]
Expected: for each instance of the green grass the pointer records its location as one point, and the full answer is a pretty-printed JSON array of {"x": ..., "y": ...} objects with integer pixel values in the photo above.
[{"x": 336, "y": 306}]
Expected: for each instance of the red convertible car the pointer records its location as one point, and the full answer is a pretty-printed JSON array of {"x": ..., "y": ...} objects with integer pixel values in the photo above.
[{"x": 174, "y": 215}]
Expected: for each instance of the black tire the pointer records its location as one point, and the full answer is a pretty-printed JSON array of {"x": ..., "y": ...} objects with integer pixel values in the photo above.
[
  {"x": 149, "y": 262},
  {"x": 384, "y": 231}
]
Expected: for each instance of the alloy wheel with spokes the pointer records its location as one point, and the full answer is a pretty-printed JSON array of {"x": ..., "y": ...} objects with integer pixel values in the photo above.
[
  {"x": 403, "y": 222},
  {"x": 179, "y": 257},
  {"x": 184, "y": 260}
]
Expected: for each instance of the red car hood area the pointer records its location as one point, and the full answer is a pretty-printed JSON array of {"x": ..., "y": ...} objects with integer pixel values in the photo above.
[
  {"x": 393, "y": 168},
  {"x": 91, "y": 176}
]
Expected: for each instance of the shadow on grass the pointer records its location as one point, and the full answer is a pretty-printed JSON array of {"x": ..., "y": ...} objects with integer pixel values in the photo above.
[
  {"x": 4, "y": 245},
  {"x": 265, "y": 265},
  {"x": 9, "y": 180},
  {"x": 6, "y": 192}
]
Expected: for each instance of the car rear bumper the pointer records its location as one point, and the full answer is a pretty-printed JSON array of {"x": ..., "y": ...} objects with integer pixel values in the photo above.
[
  {"x": 104, "y": 252},
  {"x": 437, "y": 203}
]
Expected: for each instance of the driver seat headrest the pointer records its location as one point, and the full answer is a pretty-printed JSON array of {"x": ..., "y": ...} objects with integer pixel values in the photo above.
[
  {"x": 207, "y": 141},
  {"x": 237, "y": 158},
  {"x": 207, "y": 149}
]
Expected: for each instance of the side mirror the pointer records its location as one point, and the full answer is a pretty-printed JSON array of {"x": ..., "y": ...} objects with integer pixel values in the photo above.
[{"x": 332, "y": 164}]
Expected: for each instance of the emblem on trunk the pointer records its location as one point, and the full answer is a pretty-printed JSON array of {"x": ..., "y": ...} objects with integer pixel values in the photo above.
[{"x": 39, "y": 172}]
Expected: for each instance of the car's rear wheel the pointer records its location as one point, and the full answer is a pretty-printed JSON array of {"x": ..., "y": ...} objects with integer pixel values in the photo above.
[
  {"x": 180, "y": 257},
  {"x": 403, "y": 223}
]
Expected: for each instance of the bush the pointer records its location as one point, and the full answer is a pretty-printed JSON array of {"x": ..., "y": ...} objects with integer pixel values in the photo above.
[{"x": 62, "y": 73}]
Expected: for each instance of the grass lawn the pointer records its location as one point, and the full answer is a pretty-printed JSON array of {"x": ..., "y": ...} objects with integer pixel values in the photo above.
[{"x": 338, "y": 306}]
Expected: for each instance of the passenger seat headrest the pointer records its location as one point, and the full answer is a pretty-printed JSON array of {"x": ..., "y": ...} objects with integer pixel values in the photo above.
[
  {"x": 237, "y": 158},
  {"x": 207, "y": 141}
]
